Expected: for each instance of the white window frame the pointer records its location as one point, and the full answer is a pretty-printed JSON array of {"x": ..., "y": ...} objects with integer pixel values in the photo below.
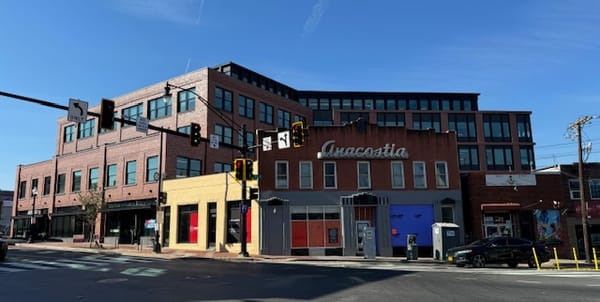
[
  {"x": 302, "y": 166},
  {"x": 439, "y": 178},
  {"x": 282, "y": 183},
  {"x": 334, "y": 175},
  {"x": 361, "y": 174},
  {"x": 572, "y": 191},
  {"x": 402, "y": 183},
  {"x": 424, "y": 176}
]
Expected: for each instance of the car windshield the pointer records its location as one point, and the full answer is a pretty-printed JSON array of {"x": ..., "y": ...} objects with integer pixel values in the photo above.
[{"x": 481, "y": 242}]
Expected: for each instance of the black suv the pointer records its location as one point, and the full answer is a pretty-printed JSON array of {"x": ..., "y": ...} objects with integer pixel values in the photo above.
[{"x": 509, "y": 250}]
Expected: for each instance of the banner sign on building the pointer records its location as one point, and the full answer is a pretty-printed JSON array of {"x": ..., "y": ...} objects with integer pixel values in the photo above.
[
  {"x": 389, "y": 151},
  {"x": 510, "y": 180}
]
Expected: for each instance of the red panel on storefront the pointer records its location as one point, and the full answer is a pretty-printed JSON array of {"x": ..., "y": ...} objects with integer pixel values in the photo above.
[
  {"x": 193, "y": 231},
  {"x": 249, "y": 225},
  {"x": 299, "y": 235},
  {"x": 316, "y": 236}
]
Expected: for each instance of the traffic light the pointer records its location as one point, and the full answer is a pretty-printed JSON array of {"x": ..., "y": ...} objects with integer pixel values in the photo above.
[
  {"x": 298, "y": 134},
  {"x": 195, "y": 136},
  {"x": 162, "y": 197},
  {"x": 107, "y": 115},
  {"x": 253, "y": 194},
  {"x": 239, "y": 166},
  {"x": 249, "y": 169}
]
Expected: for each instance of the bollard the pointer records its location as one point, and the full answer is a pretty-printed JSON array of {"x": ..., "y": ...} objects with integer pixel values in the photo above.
[
  {"x": 576, "y": 261},
  {"x": 537, "y": 262},
  {"x": 556, "y": 259},
  {"x": 595, "y": 258}
]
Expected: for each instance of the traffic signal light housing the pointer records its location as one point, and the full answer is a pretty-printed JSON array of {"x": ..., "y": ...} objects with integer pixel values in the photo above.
[
  {"x": 253, "y": 194},
  {"x": 107, "y": 114},
  {"x": 298, "y": 134},
  {"x": 162, "y": 197},
  {"x": 249, "y": 169},
  {"x": 239, "y": 168},
  {"x": 195, "y": 136}
]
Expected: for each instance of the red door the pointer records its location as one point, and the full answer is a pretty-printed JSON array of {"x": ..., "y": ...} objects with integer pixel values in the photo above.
[{"x": 193, "y": 232}]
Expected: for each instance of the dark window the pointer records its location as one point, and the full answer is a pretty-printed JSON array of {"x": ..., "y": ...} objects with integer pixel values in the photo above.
[
  {"x": 426, "y": 121},
  {"x": 131, "y": 113},
  {"x": 390, "y": 119},
  {"x": 111, "y": 175},
  {"x": 284, "y": 119},
  {"x": 249, "y": 140},
  {"x": 130, "y": 172},
  {"x": 22, "y": 189},
  {"x": 152, "y": 169},
  {"x": 69, "y": 134},
  {"x": 524, "y": 128},
  {"x": 186, "y": 100},
  {"x": 222, "y": 167},
  {"x": 76, "y": 181},
  {"x": 225, "y": 134},
  {"x": 223, "y": 99},
  {"x": 159, "y": 108},
  {"x": 246, "y": 107},
  {"x": 499, "y": 157},
  {"x": 496, "y": 128},
  {"x": 93, "y": 179},
  {"x": 468, "y": 158},
  {"x": 47, "y": 184},
  {"x": 464, "y": 126},
  {"x": 186, "y": 167},
  {"x": 60, "y": 183},
  {"x": 86, "y": 129},
  {"x": 184, "y": 129},
  {"x": 187, "y": 220},
  {"x": 347, "y": 117},
  {"x": 233, "y": 222},
  {"x": 526, "y": 157},
  {"x": 266, "y": 113}
]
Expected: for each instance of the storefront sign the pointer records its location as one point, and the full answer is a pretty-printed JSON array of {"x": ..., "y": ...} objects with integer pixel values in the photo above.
[
  {"x": 389, "y": 151},
  {"x": 510, "y": 180}
]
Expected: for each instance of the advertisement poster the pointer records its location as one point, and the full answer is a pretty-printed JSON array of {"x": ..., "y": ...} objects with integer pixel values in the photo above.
[{"x": 548, "y": 226}]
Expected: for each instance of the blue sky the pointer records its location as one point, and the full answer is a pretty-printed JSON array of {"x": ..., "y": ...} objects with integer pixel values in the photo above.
[{"x": 540, "y": 56}]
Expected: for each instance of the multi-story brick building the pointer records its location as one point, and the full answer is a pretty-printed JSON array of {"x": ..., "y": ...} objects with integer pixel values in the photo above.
[{"x": 127, "y": 165}]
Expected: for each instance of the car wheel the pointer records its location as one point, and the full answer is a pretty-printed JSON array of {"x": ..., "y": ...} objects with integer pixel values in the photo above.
[
  {"x": 513, "y": 264},
  {"x": 479, "y": 260},
  {"x": 531, "y": 262}
]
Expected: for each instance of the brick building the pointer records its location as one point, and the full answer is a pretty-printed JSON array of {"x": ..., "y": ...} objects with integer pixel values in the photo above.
[{"x": 129, "y": 166}]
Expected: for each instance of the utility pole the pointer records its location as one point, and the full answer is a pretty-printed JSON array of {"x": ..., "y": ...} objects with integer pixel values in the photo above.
[{"x": 584, "y": 213}]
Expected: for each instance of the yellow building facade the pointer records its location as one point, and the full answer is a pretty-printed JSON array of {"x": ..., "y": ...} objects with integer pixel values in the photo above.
[{"x": 203, "y": 213}]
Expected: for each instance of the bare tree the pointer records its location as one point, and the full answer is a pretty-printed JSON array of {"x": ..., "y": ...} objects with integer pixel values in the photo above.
[{"x": 92, "y": 203}]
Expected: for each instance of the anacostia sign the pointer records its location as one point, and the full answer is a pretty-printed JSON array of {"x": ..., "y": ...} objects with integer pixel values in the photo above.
[{"x": 389, "y": 151}]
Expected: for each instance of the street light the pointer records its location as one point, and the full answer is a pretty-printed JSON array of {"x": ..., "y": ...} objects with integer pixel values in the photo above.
[
  {"x": 34, "y": 193},
  {"x": 243, "y": 151}
]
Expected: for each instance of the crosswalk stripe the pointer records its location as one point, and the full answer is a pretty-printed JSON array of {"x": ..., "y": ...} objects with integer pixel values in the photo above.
[
  {"x": 81, "y": 262},
  {"x": 8, "y": 269},
  {"x": 31, "y": 266}
]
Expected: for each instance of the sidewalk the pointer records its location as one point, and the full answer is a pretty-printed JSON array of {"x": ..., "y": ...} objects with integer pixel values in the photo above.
[{"x": 167, "y": 253}]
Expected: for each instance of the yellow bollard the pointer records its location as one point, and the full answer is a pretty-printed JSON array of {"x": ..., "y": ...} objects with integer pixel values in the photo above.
[
  {"x": 595, "y": 258},
  {"x": 556, "y": 259},
  {"x": 537, "y": 262},
  {"x": 576, "y": 261}
]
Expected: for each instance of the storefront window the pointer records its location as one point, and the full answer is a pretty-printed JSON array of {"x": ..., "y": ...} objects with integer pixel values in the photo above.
[{"x": 187, "y": 220}]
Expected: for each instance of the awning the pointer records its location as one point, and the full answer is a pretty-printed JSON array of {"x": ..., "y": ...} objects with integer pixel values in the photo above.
[{"x": 495, "y": 206}]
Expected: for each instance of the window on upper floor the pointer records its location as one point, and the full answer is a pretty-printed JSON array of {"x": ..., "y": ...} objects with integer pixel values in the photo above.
[
  {"x": 93, "y": 178},
  {"x": 249, "y": 140},
  {"x": 69, "y": 134},
  {"x": 76, "y": 181},
  {"x": 524, "y": 128},
  {"x": 526, "y": 157},
  {"x": 441, "y": 175},
  {"x": 574, "y": 192},
  {"x": 187, "y": 167},
  {"x": 86, "y": 129},
  {"x": 348, "y": 117},
  {"x": 130, "y": 172},
  {"x": 306, "y": 175},
  {"x": 397, "y": 168},
  {"x": 390, "y": 119},
  {"x": 499, "y": 157},
  {"x": 115, "y": 124},
  {"x": 159, "y": 108},
  {"x": 266, "y": 113},
  {"x": 419, "y": 176},
  {"x": 329, "y": 175},
  {"x": 186, "y": 100},
  {"x": 595, "y": 188},
  {"x": 363, "y": 169},
  {"x": 246, "y": 106},
  {"x": 152, "y": 173},
  {"x": 184, "y": 129},
  {"x": 496, "y": 128},
  {"x": 47, "y": 185},
  {"x": 426, "y": 121},
  {"x": 225, "y": 134},
  {"x": 34, "y": 186},
  {"x": 22, "y": 189},
  {"x": 111, "y": 175},
  {"x": 284, "y": 119},
  {"x": 61, "y": 181},
  {"x": 298, "y": 118},
  {"x": 281, "y": 175},
  {"x": 464, "y": 126},
  {"x": 132, "y": 113},
  {"x": 222, "y": 167},
  {"x": 468, "y": 157},
  {"x": 223, "y": 99}
]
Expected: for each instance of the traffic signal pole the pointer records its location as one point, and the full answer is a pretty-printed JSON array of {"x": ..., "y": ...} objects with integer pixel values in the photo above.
[{"x": 243, "y": 205}]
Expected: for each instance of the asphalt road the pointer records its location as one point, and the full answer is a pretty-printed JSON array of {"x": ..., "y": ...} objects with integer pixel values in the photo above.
[{"x": 43, "y": 275}]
